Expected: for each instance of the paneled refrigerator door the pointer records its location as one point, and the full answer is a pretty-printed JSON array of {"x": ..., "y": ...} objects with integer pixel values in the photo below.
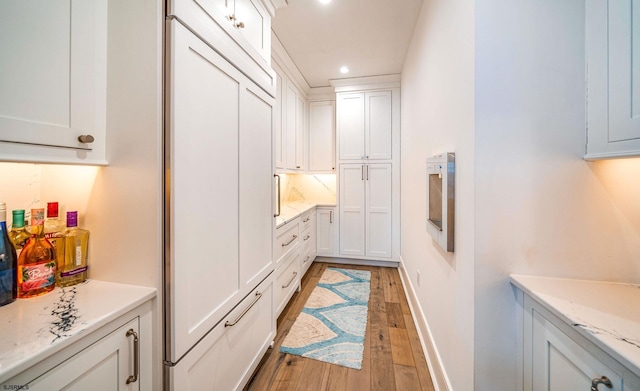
[{"x": 202, "y": 200}]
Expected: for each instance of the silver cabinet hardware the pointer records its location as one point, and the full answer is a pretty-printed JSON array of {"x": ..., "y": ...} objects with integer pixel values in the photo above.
[
  {"x": 235, "y": 322},
  {"x": 362, "y": 172},
  {"x": 306, "y": 238},
  {"x": 366, "y": 157},
  {"x": 232, "y": 17},
  {"x": 290, "y": 241},
  {"x": 297, "y": 166},
  {"x": 600, "y": 380},
  {"x": 86, "y": 138},
  {"x": 136, "y": 356},
  {"x": 306, "y": 258},
  {"x": 305, "y": 220},
  {"x": 291, "y": 280},
  {"x": 367, "y": 172},
  {"x": 240, "y": 25},
  {"x": 331, "y": 217},
  {"x": 278, "y": 188}
]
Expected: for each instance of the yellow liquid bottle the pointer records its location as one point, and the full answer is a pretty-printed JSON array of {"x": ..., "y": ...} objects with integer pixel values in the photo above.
[{"x": 72, "y": 269}]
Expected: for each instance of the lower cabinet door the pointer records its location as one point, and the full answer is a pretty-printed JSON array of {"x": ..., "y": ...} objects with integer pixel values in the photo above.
[
  {"x": 287, "y": 281},
  {"x": 560, "y": 364},
  {"x": 104, "y": 366},
  {"x": 227, "y": 356}
]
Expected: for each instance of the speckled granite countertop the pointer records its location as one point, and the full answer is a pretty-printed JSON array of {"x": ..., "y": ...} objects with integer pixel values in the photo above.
[
  {"x": 291, "y": 210},
  {"x": 606, "y": 313},
  {"x": 35, "y": 328}
]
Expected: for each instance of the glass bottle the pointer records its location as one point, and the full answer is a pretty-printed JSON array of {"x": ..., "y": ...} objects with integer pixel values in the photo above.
[
  {"x": 54, "y": 228},
  {"x": 72, "y": 268},
  {"x": 18, "y": 234},
  {"x": 8, "y": 259},
  {"x": 37, "y": 261}
]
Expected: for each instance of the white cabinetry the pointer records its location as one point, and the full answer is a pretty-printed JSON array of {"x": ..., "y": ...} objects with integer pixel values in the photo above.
[
  {"x": 308, "y": 239},
  {"x": 289, "y": 127},
  {"x": 322, "y": 130},
  {"x": 326, "y": 231},
  {"x": 613, "y": 79},
  {"x": 557, "y": 358},
  {"x": 365, "y": 210},
  {"x": 53, "y": 83},
  {"x": 365, "y": 125},
  {"x": 116, "y": 357},
  {"x": 228, "y": 355},
  {"x": 287, "y": 281},
  {"x": 217, "y": 117}
]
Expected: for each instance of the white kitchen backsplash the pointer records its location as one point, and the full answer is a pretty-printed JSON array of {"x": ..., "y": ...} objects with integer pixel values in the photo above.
[
  {"x": 313, "y": 188},
  {"x": 26, "y": 186}
]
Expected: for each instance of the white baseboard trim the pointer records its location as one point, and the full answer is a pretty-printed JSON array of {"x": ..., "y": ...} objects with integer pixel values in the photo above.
[{"x": 436, "y": 370}]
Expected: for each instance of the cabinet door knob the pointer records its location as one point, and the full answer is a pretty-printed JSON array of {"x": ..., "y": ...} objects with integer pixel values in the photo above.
[
  {"x": 600, "y": 380},
  {"x": 240, "y": 25},
  {"x": 86, "y": 138}
]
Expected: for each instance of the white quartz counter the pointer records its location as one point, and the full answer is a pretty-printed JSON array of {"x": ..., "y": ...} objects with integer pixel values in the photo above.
[
  {"x": 35, "y": 328},
  {"x": 606, "y": 313},
  {"x": 291, "y": 210}
]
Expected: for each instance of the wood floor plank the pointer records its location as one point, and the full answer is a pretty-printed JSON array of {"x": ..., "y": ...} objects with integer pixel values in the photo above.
[
  {"x": 406, "y": 378},
  {"x": 420, "y": 360},
  {"x": 313, "y": 376},
  {"x": 401, "y": 347},
  {"x": 395, "y": 317},
  {"x": 337, "y": 380},
  {"x": 390, "y": 284},
  {"x": 288, "y": 374},
  {"x": 382, "y": 377}
]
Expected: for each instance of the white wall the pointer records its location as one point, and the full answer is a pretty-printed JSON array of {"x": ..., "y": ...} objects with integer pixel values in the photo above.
[
  {"x": 437, "y": 116},
  {"x": 526, "y": 200},
  {"x": 539, "y": 208}
]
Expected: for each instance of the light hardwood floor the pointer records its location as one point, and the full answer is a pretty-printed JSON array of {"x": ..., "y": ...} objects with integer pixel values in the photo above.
[{"x": 393, "y": 358}]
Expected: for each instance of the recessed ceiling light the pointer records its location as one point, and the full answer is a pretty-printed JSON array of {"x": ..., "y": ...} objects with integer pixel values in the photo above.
[
  {"x": 344, "y": 69},
  {"x": 325, "y": 1}
]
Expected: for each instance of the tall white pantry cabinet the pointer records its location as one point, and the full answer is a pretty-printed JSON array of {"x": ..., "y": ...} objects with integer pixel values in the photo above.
[
  {"x": 368, "y": 150},
  {"x": 219, "y": 317}
]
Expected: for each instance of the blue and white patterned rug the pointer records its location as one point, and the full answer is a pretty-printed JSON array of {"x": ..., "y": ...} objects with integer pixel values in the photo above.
[{"x": 333, "y": 322}]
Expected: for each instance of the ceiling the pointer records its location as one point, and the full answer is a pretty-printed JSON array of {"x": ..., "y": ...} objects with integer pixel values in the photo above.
[{"x": 371, "y": 37}]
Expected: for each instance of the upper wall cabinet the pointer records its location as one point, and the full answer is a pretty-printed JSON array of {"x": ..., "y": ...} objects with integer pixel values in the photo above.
[
  {"x": 53, "y": 77},
  {"x": 322, "y": 130},
  {"x": 289, "y": 127},
  {"x": 246, "y": 22},
  {"x": 364, "y": 125},
  {"x": 613, "y": 79}
]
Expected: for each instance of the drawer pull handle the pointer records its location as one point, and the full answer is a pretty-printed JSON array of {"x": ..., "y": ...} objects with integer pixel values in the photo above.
[
  {"x": 290, "y": 241},
  {"x": 306, "y": 238},
  {"x": 231, "y": 324},
  {"x": 600, "y": 380},
  {"x": 291, "y": 280},
  {"x": 136, "y": 356},
  {"x": 305, "y": 220},
  {"x": 306, "y": 258},
  {"x": 331, "y": 217}
]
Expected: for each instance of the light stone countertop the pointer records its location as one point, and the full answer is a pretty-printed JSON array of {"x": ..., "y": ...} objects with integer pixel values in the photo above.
[
  {"x": 35, "y": 328},
  {"x": 606, "y": 313},
  {"x": 291, "y": 210}
]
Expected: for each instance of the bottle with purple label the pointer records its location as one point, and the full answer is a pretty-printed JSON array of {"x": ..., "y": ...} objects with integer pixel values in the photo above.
[{"x": 72, "y": 269}]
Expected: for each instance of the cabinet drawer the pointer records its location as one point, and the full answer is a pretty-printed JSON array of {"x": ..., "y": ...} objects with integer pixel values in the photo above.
[
  {"x": 287, "y": 282},
  {"x": 287, "y": 238},
  {"x": 306, "y": 258},
  {"x": 307, "y": 220},
  {"x": 228, "y": 355}
]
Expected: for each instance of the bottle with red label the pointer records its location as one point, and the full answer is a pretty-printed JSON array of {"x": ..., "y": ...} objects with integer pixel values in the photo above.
[{"x": 37, "y": 261}]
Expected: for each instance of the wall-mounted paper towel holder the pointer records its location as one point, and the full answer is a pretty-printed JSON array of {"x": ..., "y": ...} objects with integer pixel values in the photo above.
[{"x": 441, "y": 173}]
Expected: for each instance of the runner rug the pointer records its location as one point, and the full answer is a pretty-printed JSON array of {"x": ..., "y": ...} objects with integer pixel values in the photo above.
[{"x": 333, "y": 322}]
